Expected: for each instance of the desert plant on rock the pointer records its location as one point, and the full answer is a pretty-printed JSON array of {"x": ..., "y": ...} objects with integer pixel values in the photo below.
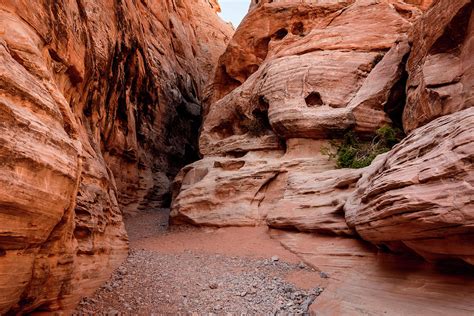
[{"x": 352, "y": 152}]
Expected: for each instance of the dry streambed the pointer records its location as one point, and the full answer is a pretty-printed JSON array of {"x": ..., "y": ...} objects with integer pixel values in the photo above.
[{"x": 185, "y": 270}]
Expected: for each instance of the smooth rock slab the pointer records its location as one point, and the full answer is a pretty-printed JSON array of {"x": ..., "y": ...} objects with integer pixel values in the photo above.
[{"x": 362, "y": 281}]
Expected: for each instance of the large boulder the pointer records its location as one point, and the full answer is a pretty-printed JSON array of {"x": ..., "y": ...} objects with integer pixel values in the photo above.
[{"x": 420, "y": 195}]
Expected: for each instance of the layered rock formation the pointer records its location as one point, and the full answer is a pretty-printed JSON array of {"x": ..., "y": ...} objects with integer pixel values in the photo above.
[
  {"x": 298, "y": 75},
  {"x": 420, "y": 196},
  {"x": 100, "y": 104},
  {"x": 294, "y": 76},
  {"x": 326, "y": 68},
  {"x": 441, "y": 65}
]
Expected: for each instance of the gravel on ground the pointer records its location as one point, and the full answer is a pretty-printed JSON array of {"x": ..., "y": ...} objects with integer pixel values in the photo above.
[{"x": 159, "y": 279}]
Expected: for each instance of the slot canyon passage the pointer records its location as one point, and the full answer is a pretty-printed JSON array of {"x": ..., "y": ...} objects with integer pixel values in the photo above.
[{"x": 319, "y": 159}]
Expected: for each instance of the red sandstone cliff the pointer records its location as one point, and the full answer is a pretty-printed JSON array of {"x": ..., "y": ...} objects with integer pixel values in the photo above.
[
  {"x": 100, "y": 106},
  {"x": 298, "y": 75}
]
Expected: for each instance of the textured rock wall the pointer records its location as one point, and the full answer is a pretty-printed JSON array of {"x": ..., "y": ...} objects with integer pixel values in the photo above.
[
  {"x": 297, "y": 74},
  {"x": 441, "y": 67},
  {"x": 420, "y": 195},
  {"x": 100, "y": 104}
]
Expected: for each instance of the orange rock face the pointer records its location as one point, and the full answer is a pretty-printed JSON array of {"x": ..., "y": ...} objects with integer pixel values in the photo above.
[
  {"x": 298, "y": 74},
  {"x": 99, "y": 106},
  {"x": 326, "y": 68},
  {"x": 307, "y": 71},
  {"x": 441, "y": 66},
  {"x": 419, "y": 195},
  {"x": 293, "y": 76}
]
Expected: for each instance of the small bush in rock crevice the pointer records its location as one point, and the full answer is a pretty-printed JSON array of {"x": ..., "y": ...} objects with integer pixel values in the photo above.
[{"x": 352, "y": 152}]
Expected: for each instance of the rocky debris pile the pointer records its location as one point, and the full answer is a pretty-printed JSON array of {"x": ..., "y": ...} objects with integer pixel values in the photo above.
[{"x": 152, "y": 282}]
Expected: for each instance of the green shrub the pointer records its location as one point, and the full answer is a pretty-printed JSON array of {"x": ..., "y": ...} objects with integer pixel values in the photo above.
[{"x": 352, "y": 152}]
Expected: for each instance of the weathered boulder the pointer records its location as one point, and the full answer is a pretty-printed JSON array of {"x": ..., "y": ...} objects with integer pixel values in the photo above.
[
  {"x": 420, "y": 194},
  {"x": 418, "y": 197},
  {"x": 308, "y": 70},
  {"x": 313, "y": 202},
  {"x": 229, "y": 191},
  {"x": 99, "y": 108}
]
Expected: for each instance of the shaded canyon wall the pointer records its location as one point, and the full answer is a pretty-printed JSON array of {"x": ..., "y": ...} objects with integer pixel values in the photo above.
[{"x": 100, "y": 106}]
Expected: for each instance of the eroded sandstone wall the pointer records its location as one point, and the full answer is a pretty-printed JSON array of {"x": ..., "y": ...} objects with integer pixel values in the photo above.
[
  {"x": 419, "y": 197},
  {"x": 298, "y": 74},
  {"x": 100, "y": 106},
  {"x": 295, "y": 75}
]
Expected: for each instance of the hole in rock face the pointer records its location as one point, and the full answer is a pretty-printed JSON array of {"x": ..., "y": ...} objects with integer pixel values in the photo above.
[
  {"x": 236, "y": 154},
  {"x": 397, "y": 98},
  {"x": 255, "y": 126},
  {"x": 224, "y": 129},
  {"x": 314, "y": 99},
  {"x": 2, "y": 252},
  {"x": 258, "y": 124},
  {"x": 261, "y": 115},
  {"x": 297, "y": 28},
  {"x": 280, "y": 34}
]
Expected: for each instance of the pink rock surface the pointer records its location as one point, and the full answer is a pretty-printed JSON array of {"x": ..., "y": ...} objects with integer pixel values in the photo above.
[
  {"x": 441, "y": 67},
  {"x": 363, "y": 282},
  {"x": 420, "y": 194},
  {"x": 307, "y": 71}
]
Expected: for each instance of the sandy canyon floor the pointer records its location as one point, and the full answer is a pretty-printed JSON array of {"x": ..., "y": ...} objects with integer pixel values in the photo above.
[{"x": 181, "y": 270}]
